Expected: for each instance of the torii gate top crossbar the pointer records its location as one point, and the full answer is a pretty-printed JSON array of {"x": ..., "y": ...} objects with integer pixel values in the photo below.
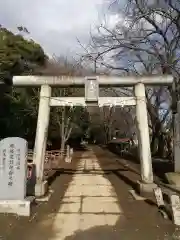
[{"x": 104, "y": 81}]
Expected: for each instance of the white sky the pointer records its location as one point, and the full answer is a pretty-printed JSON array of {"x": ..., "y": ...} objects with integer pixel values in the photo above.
[{"x": 55, "y": 24}]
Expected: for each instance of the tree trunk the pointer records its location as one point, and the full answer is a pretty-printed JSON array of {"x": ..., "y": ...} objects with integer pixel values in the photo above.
[
  {"x": 160, "y": 150},
  {"x": 153, "y": 144},
  {"x": 63, "y": 133}
]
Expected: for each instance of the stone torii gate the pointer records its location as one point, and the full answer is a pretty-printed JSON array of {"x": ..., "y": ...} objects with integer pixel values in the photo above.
[{"x": 91, "y": 99}]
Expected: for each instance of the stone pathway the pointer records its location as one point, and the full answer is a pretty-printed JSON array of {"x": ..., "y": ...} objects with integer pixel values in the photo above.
[{"x": 91, "y": 201}]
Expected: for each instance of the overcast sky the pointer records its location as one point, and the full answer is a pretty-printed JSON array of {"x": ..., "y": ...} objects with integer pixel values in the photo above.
[{"x": 55, "y": 24}]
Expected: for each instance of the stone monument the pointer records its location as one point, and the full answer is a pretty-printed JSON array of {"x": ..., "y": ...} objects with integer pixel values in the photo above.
[{"x": 13, "y": 176}]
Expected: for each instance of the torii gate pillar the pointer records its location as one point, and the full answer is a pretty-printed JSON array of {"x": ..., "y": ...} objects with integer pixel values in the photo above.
[
  {"x": 41, "y": 186},
  {"x": 146, "y": 184}
]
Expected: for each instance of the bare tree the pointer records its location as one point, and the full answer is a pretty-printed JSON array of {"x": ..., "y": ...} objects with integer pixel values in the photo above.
[
  {"x": 117, "y": 122},
  {"x": 65, "y": 119},
  {"x": 143, "y": 40}
]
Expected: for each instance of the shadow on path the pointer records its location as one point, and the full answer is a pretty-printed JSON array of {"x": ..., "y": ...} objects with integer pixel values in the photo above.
[
  {"x": 138, "y": 220},
  {"x": 160, "y": 166},
  {"x": 40, "y": 225},
  {"x": 133, "y": 220}
]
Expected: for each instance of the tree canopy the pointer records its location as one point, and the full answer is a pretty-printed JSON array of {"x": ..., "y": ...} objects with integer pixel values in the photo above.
[
  {"x": 19, "y": 106},
  {"x": 18, "y": 55},
  {"x": 144, "y": 39}
]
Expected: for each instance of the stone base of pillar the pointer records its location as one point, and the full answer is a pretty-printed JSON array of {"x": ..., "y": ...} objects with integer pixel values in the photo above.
[
  {"x": 146, "y": 190},
  {"x": 19, "y": 207},
  {"x": 41, "y": 189}
]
